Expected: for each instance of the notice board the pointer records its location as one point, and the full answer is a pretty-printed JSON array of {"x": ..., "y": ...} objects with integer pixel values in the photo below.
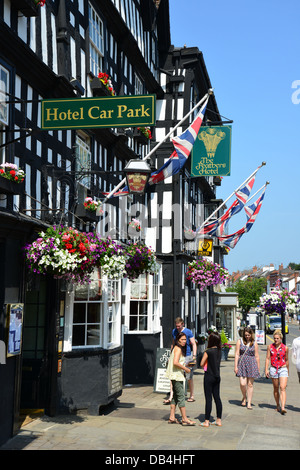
[{"x": 161, "y": 382}]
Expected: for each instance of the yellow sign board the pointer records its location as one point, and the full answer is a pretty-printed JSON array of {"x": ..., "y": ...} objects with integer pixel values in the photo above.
[{"x": 205, "y": 247}]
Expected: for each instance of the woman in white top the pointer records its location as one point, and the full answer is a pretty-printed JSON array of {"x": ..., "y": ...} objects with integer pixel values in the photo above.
[{"x": 175, "y": 372}]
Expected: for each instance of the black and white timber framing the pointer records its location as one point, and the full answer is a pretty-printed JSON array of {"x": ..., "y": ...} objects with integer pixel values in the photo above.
[{"x": 56, "y": 51}]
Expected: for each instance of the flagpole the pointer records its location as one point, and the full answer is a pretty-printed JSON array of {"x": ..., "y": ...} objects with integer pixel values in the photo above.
[
  {"x": 267, "y": 182},
  {"x": 210, "y": 92},
  {"x": 223, "y": 203}
]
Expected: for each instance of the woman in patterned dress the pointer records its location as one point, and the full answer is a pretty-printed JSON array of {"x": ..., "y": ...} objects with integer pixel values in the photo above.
[{"x": 246, "y": 365}]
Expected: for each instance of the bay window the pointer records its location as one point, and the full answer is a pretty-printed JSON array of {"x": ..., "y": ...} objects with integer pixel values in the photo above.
[{"x": 93, "y": 314}]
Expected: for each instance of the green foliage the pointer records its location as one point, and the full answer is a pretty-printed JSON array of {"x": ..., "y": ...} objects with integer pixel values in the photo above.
[
  {"x": 249, "y": 292},
  {"x": 294, "y": 266},
  {"x": 224, "y": 338}
]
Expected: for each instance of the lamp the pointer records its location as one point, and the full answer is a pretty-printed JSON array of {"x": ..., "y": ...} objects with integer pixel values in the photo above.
[{"x": 137, "y": 174}]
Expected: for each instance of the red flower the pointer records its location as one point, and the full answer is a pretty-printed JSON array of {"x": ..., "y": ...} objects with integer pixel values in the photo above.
[
  {"x": 81, "y": 247},
  {"x": 13, "y": 173}
]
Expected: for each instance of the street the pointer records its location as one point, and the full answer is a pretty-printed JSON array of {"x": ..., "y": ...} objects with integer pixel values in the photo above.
[{"x": 139, "y": 420}]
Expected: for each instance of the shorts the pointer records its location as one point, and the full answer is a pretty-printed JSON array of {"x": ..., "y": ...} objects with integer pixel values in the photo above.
[
  {"x": 281, "y": 372},
  {"x": 188, "y": 359},
  {"x": 178, "y": 393}
]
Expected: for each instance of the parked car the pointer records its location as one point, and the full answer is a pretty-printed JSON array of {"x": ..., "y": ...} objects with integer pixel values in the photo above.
[{"x": 274, "y": 323}]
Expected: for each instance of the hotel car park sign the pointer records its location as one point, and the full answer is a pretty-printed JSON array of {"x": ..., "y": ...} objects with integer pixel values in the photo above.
[{"x": 80, "y": 113}]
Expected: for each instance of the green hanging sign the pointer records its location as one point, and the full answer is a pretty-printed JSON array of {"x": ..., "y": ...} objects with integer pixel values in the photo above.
[
  {"x": 211, "y": 152},
  {"x": 88, "y": 113}
]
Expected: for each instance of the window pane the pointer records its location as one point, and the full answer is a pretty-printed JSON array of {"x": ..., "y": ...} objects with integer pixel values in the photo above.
[
  {"x": 95, "y": 287},
  {"x": 143, "y": 323},
  {"x": 79, "y": 313},
  {"x": 93, "y": 315},
  {"x": 93, "y": 335},
  {"x": 133, "y": 323},
  {"x": 139, "y": 287},
  {"x": 81, "y": 292},
  {"x": 78, "y": 337}
]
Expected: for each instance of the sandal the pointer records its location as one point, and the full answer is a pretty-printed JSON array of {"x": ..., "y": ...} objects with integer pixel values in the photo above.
[
  {"x": 188, "y": 423},
  {"x": 191, "y": 399},
  {"x": 173, "y": 421},
  {"x": 214, "y": 423}
]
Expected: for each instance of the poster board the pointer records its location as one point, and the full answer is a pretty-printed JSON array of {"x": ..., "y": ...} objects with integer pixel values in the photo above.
[
  {"x": 14, "y": 323},
  {"x": 161, "y": 382},
  {"x": 260, "y": 336}
]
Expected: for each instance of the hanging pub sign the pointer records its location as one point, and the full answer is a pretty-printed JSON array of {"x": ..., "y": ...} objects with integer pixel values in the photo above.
[
  {"x": 205, "y": 247},
  {"x": 113, "y": 111},
  {"x": 211, "y": 152}
]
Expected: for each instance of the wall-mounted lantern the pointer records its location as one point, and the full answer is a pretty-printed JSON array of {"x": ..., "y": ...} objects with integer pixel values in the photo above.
[{"x": 137, "y": 174}]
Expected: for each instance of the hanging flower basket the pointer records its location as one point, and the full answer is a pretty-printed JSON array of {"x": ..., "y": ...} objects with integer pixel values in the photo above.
[
  {"x": 107, "y": 255},
  {"x": 62, "y": 252},
  {"x": 140, "y": 259},
  {"x": 190, "y": 234},
  {"x": 92, "y": 205},
  {"x": 142, "y": 135},
  {"x": 11, "y": 172},
  {"x": 278, "y": 302},
  {"x": 86, "y": 214},
  {"x": 105, "y": 79},
  {"x": 11, "y": 179},
  {"x": 205, "y": 273},
  {"x": 134, "y": 228}
]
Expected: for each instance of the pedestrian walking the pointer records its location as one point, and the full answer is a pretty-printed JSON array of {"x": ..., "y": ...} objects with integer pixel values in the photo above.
[
  {"x": 247, "y": 365},
  {"x": 175, "y": 372},
  {"x": 191, "y": 351},
  {"x": 210, "y": 361},
  {"x": 278, "y": 355},
  {"x": 296, "y": 354}
]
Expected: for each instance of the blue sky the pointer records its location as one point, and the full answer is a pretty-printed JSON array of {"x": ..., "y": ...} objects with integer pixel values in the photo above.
[{"x": 252, "y": 54}]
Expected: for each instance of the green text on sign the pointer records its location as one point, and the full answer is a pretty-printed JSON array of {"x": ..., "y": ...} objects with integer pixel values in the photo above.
[{"x": 78, "y": 113}]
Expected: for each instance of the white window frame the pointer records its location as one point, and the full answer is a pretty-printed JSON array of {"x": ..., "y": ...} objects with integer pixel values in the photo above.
[
  {"x": 96, "y": 36},
  {"x": 109, "y": 319},
  {"x": 152, "y": 301},
  {"x": 4, "y": 87},
  {"x": 138, "y": 85}
]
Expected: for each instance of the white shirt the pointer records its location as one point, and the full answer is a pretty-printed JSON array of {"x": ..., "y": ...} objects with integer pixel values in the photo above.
[{"x": 296, "y": 353}]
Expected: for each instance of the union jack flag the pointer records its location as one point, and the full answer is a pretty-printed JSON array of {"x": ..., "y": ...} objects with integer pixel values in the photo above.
[
  {"x": 122, "y": 192},
  {"x": 252, "y": 212},
  {"x": 217, "y": 227},
  {"x": 183, "y": 146}
]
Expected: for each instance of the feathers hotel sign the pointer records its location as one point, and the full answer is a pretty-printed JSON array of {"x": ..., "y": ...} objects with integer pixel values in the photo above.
[
  {"x": 211, "y": 152},
  {"x": 79, "y": 113}
]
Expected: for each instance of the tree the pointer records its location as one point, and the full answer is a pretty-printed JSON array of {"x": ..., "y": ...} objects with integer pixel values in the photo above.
[
  {"x": 294, "y": 266},
  {"x": 249, "y": 292}
]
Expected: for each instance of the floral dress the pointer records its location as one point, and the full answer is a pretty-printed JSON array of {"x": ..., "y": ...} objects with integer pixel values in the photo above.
[{"x": 247, "y": 365}]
